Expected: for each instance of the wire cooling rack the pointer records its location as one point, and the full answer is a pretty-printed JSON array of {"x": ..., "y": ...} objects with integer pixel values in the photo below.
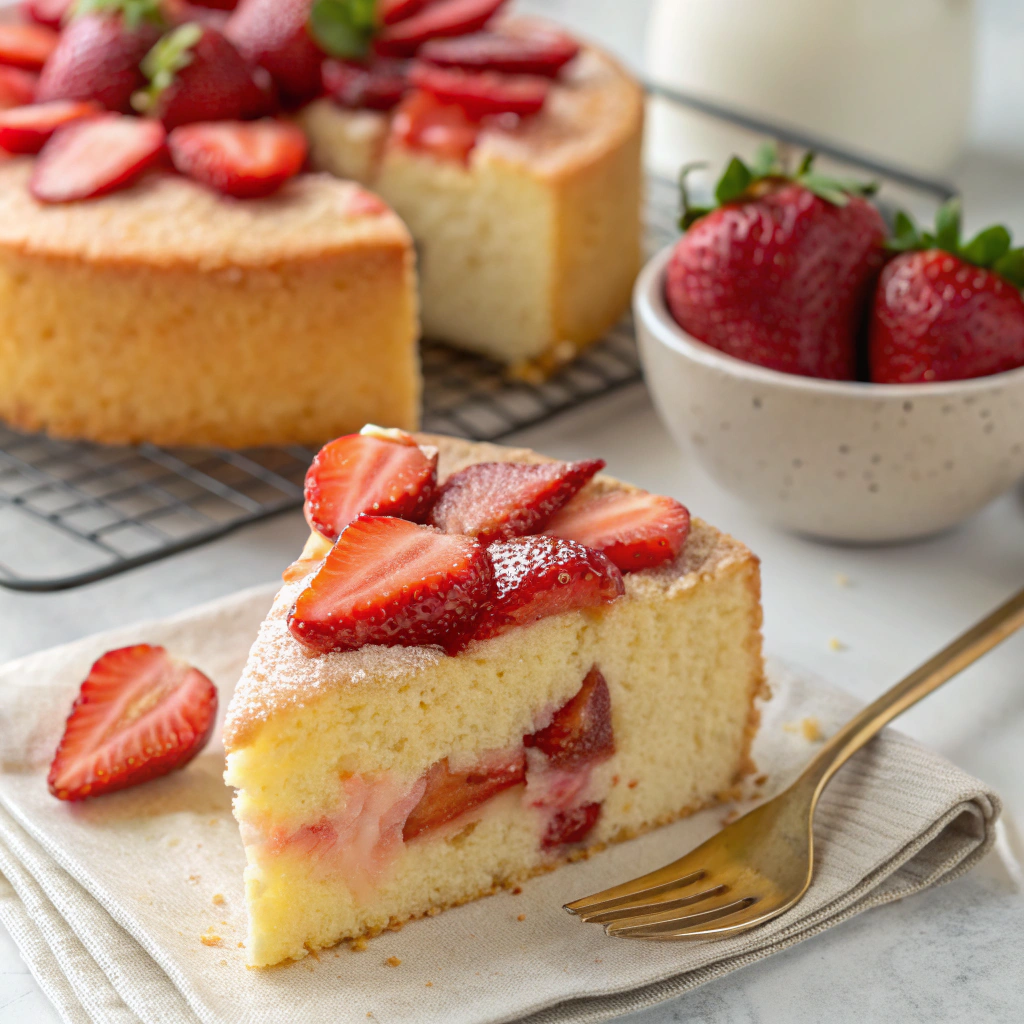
[{"x": 72, "y": 513}]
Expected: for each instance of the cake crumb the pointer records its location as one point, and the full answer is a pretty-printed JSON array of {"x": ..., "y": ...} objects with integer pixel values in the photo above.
[
  {"x": 729, "y": 818},
  {"x": 633, "y": 783},
  {"x": 807, "y": 727},
  {"x": 429, "y": 984},
  {"x": 760, "y": 780},
  {"x": 218, "y": 899},
  {"x": 213, "y": 821},
  {"x": 521, "y": 917},
  {"x": 194, "y": 879},
  {"x": 223, "y": 963},
  {"x": 842, "y": 580},
  {"x": 241, "y": 945},
  {"x": 393, "y": 961},
  {"x": 835, "y": 644},
  {"x": 517, "y": 891},
  {"x": 174, "y": 841},
  {"x": 358, "y": 945},
  {"x": 210, "y": 939}
]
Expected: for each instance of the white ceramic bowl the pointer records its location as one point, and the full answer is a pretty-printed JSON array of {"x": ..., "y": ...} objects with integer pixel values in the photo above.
[{"x": 844, "y": 461}]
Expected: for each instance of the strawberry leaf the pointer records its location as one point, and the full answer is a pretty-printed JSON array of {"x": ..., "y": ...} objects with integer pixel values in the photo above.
[
  {"x": 987, "y": 247},
  {"x": 344, "y": 28},
  {"x": 171, "y": 54},
  {"x": 825, "y": 188},
  {"x": 688, "y": 212},
  {"x": 736, "y": 180},
  {"x": 905, "y": 235},
  {"x": 1011, "y": 266}
]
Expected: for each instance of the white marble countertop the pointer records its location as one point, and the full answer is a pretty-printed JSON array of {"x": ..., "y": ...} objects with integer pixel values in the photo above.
[{"x": 953, "y": 954}]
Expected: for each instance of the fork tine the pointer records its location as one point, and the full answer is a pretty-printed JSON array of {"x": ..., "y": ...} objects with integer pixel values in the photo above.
[
  {"x": 643, "y": 904},
  {"x": 654, "y": 883},
  {"x": 669, "y": 923}
]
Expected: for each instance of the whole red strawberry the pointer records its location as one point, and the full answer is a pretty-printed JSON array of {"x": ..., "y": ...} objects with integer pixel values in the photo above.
[
  {"x": 99, "y": 54},
  {"x": 779, "y": 274},
  {"x": 946, "y": 311},
  {"x": 275, "y": 34},
  {"x": 195, "y": 74}
]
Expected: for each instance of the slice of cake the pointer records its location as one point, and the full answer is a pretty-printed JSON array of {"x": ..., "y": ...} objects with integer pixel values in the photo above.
[
  {"x": 535, "y": 662},
  {"x": 168, "y": 313}
]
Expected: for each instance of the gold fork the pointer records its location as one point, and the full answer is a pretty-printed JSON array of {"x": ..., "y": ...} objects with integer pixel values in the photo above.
[{"x": 761, "y": 865}]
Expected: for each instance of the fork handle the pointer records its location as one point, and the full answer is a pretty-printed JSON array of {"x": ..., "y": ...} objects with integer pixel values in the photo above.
[{"x": 954, "y": 658}]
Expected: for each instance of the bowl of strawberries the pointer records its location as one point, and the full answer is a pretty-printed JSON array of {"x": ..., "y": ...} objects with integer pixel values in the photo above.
[{"x": 853, "y": 383}]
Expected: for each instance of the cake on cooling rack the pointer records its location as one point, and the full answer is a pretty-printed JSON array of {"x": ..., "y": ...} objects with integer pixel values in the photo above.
[
  {"x": 556, "y": 661},
  {"x": 175, "y": 277}
]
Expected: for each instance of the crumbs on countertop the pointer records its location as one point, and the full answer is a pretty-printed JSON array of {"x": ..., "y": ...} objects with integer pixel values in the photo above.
[
  {"x": 393, "y": 961},
  {"x": 218, "y": 899}
]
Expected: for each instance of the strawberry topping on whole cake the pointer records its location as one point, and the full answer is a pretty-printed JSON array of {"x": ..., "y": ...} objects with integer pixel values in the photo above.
[{"x": 445, "y": 68}]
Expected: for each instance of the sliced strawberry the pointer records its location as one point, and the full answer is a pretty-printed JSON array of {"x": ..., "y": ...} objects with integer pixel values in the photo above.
[
  {"x": 581, "y": 731},
  {"x": 98, "y": 58},
  {"x": 393, "y": 583},
  {"x": 441, "y": 18},
  {"x": 390, "y": 11},
  {"x": 46, "y": 12},
  {"x": 535, "y": 577},
  {"x": 275, "y": 35},
  {"x": 359, "y": 474},
  {"x": 539, "y": 53},
  {"x": 361, "y": 203},
  {"x": 378, "y": 85},
  {"x": 422, "y": 122},
  {"x": 27, "y": 129},
  {"x": 98, "y": 155},
  {"x": 636, "y": 530},
  {"x": 140, "y": 714},
  {"x": 499, "y": 500},
  {"x": 482, "y": 93},
  {"x": 17, "y": 87},
  {"x": 26, "y": 45},
  {"x": 572, "y": 826},
  {"x": 450, "y": 794},
  {"x": 247, "y": 159}
]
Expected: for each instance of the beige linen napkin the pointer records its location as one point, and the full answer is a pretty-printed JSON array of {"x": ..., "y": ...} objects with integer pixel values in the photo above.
[{"x": 129, "y": 908}]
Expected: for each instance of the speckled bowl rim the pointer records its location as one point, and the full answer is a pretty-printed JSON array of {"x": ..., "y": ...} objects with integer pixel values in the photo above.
[{"x": 650, "y": 308}]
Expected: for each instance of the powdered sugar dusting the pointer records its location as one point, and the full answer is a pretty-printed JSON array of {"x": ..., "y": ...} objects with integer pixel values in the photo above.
[{"x": 281, "y": 673}]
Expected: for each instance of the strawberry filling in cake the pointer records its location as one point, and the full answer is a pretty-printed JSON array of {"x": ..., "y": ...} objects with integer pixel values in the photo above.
[{"x": 447, "y": 698}]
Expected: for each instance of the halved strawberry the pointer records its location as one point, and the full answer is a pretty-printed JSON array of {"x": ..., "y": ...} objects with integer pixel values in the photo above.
[
  {"x": 636, "y": 530},
  {"x": 482, "y": 93},
  {"x": 441, "y": 18},
  {"x": 572, "y": 826},
  {"x": 27, "y": 129},
  {"x": 140, "y": 714},
  {"x": 247, "y": 159},
  {"x": 377, "y": 85},
  {"x": 360, "y": 473},
  {"x": 95, "y": 156},
  {"x": 535, "y": 577},
  {"x": 17, "y": 87},
  {"x": 450, "y": 794},
  {"x": 444, "y": 130},
  {"x": 46, "y": 12},
  {"x": 498, "y": 500},
  {"x": 26, "y": 45},
  {"x": 275, "y": 35},
  {"x": 393, "y": 583},
  {"x": 581, "y": 731},
  {"x": 539, "y": 53}
]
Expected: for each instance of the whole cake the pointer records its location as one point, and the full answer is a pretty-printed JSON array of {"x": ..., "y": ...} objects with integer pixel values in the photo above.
[
  {"x": 171, "y": 271},
  {"x": 552, "y": 661}
]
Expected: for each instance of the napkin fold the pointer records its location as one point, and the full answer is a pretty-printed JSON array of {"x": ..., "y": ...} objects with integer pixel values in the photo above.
[{"x": 130, "y": 910}]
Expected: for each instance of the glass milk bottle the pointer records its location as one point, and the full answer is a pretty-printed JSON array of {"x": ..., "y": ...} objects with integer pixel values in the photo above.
[{"x": 889, "y": 78}]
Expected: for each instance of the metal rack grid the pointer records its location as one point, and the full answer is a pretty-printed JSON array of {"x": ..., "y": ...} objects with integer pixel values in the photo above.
[{"x": 72, "y": 512}]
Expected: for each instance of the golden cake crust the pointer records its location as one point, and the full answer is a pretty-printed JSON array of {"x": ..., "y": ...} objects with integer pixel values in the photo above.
[
  {"x": 167, "y": 221},
  {"x": 281, "y": 674}
]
